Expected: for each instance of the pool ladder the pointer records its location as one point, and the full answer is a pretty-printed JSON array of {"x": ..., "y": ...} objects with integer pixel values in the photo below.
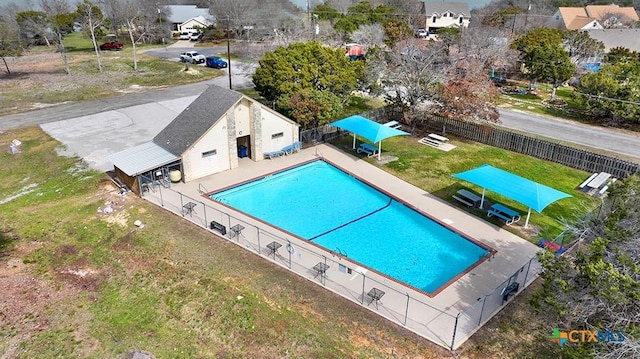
[{"x": 340, "y": 253}]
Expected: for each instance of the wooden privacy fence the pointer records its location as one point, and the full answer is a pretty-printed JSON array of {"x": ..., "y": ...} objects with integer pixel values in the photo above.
[
  {"x": 488, "y": 134},
  {"x": 572, "y": 157}
]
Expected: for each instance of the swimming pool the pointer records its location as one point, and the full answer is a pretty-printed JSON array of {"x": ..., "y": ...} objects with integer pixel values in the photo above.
[{"x": 323, "y": 204}]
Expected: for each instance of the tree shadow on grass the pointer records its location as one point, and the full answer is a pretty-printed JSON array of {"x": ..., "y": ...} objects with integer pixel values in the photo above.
[
  {"x": 14, "y": 75},
  {"x": 7, "y": 240}
]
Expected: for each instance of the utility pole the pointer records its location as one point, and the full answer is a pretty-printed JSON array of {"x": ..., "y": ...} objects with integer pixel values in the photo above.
[
  {"x": 309, "y": 17},
  {"x": 526, "y": 16},
  {"x": 229, "y": 51}
]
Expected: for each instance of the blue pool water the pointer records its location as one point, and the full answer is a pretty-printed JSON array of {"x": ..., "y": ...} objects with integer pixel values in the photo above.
[{"x": 319, "y": 202}]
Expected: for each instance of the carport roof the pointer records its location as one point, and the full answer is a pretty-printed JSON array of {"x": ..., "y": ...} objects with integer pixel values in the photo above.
[{"x": 142, "y": 158}]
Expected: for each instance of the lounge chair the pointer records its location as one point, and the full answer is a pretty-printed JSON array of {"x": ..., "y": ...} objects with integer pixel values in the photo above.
[
  {"x": 293, "y": 148},
  {"x": 273, "y": 154},
  {"x": 369, "y": 149}
]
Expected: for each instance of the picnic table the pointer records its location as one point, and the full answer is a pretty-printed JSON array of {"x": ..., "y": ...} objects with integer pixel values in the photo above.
[
  {"x": 505, "y": 213},
  {"x": 599, "y": 180},
  {"x": 438, "y": 137}
]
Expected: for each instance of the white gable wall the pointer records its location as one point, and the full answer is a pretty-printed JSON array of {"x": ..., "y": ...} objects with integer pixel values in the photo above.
[
  {"x": 198, "y": 161},
  {"x": 190, "y": 26},
  {"x": 268, "y": 131},
  {"x": 595, "y": 24},
  {"x": 441, "y": 21},
  {"x": 272, "y": 126},
  {"x": 242, "y": 114}
]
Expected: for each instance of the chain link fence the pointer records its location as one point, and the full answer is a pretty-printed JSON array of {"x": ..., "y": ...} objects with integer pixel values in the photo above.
[{"x": 398, "y": 303}]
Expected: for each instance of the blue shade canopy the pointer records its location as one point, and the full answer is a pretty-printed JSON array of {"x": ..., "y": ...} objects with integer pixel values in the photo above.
[
  {"x": 532, "y": 194},
  {"x": 372, "y": 131}
]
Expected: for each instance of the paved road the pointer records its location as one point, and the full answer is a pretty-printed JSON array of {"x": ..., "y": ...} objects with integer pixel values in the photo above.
[
  {"x": 94, "y": 130},
  {"x": 611, "y": 140},
  {"x": 240, "y": 78}
]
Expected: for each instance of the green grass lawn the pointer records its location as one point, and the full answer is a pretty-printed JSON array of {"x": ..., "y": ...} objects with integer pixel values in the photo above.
[
  {"x": 102, "y": 287},
  {"x": 535, "y": 101},
  {"x": 431, "y": 169},
  {"x": 92, "y": 285}
]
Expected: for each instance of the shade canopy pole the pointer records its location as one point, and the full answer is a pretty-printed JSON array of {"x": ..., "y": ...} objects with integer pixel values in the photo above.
[
  {"x": 482, "y": 200},
  {"x": 379, "y": 149},
  {"x": 354, "y": 140},
  {"x": 526, "y": 223}
]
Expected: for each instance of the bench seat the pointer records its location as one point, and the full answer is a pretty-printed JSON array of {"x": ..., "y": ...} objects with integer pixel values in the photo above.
[
  {"x": 467, "y": 197},
  {"x": 430, "y": 142},
  {"x": 370, "y": 150},
  {"x": 393, "y": 124},
  {"x": 462, "y": 200},
  {"x": 505, "y": 213}
]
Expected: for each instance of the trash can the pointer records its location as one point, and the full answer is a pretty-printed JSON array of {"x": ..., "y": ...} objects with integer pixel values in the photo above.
[{"x": 242, "y": 151}]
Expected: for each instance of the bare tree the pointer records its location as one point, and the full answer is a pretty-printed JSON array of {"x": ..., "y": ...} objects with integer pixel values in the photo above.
[
  {"x": 486, "y": 48},
  {"x": 234, "y": 13},
  {"x": 582, "y": 47},
  {"x": 91, "y": 20},
  {"x": 9, "y": 41},
  {"x": 413, "y": 9},
  {"x": 61, "y": 19},
  {"x": 368, "y": 35},
  {"x": 615, "y": 20},
  {"x": 409, "y": 74},
  {"x": 34, "y": 25}
]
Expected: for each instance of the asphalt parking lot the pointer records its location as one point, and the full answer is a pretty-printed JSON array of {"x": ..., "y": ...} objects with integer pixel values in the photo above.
[
  {"x": 96, "y": 136},
  {"x": 97, "y": 129}
]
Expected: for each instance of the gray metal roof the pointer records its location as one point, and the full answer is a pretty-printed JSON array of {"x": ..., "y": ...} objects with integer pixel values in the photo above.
[
  {"x": 182, "y": 13},
  {"x": 628, "y": 38},
  {"x": 440, "y": 7},
  {"x": 142, "y": 158},
  {"x": 196, "y": 119}
]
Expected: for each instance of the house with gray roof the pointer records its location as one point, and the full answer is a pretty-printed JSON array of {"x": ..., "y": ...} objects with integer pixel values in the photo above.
[
  {"x": 217, "y": 132},
  {"x": 440, "y": 14},
  {"x": 627, "y": 38}
]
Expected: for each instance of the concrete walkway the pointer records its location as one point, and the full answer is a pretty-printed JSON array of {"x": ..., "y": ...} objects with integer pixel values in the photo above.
[{"x": 461, "y": 307}]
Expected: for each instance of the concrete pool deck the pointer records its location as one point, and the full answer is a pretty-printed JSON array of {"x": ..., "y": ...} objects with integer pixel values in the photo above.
[{"x": 447, "y": 318}]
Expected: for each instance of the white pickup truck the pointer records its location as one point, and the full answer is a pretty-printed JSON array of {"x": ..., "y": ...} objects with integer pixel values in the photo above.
[{"x": 193, "y": 57}]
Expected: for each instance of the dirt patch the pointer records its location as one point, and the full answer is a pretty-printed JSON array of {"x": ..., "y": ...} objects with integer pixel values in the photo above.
[
  {"x": 26, "y": 299},
  {"x": 46, "y": 68},
  {"x": 113, "y": 207}
]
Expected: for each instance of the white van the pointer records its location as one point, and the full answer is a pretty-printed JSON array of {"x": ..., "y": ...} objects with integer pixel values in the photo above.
[{"x": 185, "y": 35}]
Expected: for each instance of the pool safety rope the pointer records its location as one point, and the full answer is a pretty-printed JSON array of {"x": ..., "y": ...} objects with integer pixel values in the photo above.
[{"x": 355, "y": 220}]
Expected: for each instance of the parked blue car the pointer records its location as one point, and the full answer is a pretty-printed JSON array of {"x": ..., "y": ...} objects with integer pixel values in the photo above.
[{"x": 216, "y": 62}]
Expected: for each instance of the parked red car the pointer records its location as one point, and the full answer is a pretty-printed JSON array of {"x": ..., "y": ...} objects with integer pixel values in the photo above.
[{"x": 111, "y": 45}]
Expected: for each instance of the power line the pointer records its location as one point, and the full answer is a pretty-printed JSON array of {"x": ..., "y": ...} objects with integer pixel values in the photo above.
[{"x": 600, "y": 97}]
